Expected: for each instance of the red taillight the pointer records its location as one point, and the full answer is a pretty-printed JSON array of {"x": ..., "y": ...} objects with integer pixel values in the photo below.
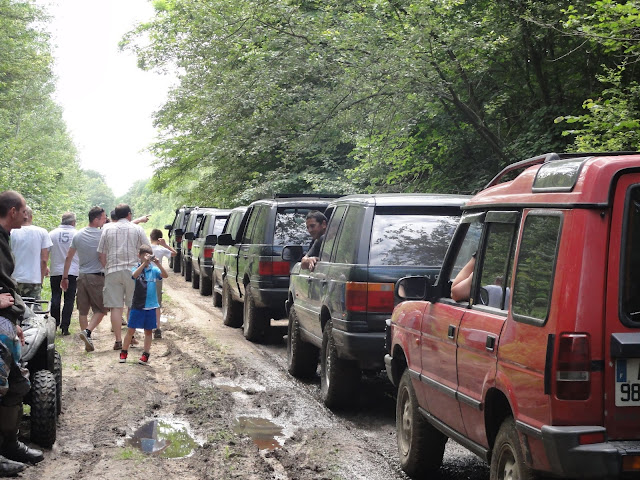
[
  {"x": 208, "y": 252},
  {"x": 178, "y": 238},
  {"x": 369, "y": 297},
  {"x": 189, "y": 243},
  {"x": 268, "y": 267},
  {"x": 573, "y": 374},
  {"x": 591, "y": 438}
]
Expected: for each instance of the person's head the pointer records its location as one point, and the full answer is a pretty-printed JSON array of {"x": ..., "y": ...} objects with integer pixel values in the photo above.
[
  {"x": 112, "y": 216},
  {"x": 122, "y": 211},
  {"x": 144, "y": 251},
  {"x": 97, "y": 217},
  {"x": 316, "y": 224},
  {"x": 13, "y": 210},
  {"x": 156, "y": 234},
  {"x": 68, "y": 218},
  {"x": 29, "y": 218}
]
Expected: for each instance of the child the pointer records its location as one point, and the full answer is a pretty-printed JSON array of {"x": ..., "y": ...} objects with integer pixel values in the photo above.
[
  {"x": 145, "y": 302},
  {"x": 160, "y": 249}
]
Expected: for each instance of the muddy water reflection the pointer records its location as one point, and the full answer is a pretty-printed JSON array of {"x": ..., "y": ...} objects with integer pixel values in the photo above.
[
  {"x": 262, "y": 431},
  {"x": 165, "y": 438}
]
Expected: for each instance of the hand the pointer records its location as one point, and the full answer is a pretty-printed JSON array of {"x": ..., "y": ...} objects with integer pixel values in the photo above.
[
  {"x": 163, "y": 242},
  {"x": 64, "y": 284},
  {"x": 20, "y": 334},
  {"x": 6, "y": 300},
  {"x": 309, "y": 263}
]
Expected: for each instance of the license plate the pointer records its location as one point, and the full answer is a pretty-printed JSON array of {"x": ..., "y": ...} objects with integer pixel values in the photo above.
[{"x": 628, "y": 382}]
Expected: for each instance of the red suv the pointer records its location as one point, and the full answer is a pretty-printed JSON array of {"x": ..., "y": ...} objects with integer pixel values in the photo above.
[{"x": 527, "y": 350}]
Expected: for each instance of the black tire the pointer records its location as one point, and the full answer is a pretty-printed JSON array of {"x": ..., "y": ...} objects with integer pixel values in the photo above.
[
  {"x": 171, "y": 263},
  {"x": 339, "y": 379},
  {"x": 43, "y": 408},
  {"x": 177, "y": 263},
  {"x": 187, "y": 271},
  {"x": 217, "y": 299},
  {"x": 507, "y": 458},
  {"x": 255, "y": 320},
  {"x": 231, "y": 313},
  {"x": 57, "y": 373},
  {"x": 420, "y": 445},
  {"x": 302, "y": 357},
  {"x": 205, "y": 286},
  {"x": 195, "y": 278}
]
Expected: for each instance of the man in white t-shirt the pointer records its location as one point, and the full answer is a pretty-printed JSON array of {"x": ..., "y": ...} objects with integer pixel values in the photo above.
[
  {"x": 61, "y": 238},
  {"x": 30, "y": 246},
  {"x": 161, "y": 250}
]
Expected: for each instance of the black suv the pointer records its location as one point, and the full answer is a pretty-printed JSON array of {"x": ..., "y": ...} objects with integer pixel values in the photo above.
[
  {"x": 339, "y": 309},
  {"x": 256, "y": 274},
  {"x": 193, "y": 224},
  {"x": 175, "y": 232},
  {"x": 204, "y": 242},
  {"x": 231, "y": 227}
]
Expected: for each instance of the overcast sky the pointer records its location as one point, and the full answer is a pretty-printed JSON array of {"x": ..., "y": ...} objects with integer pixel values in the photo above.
[{"x": 108, "y": 101}]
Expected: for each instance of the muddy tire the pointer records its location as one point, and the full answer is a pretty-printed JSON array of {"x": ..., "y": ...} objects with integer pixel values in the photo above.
[
  {"x": 507, "y": 458},
  {"x": 43, "y": 408},
  {"x": 339, "y": 378},
  {"x": 188, "y": 269},
  {"x": 255, "y": 320},
  {"x": 302, "y": 357},
  {"x": 420, "y": 445},
  {"x": 231, "y": 312},
  {"x": 177, "y": 263},
  {"x": 195, "y": 278},
  {"x": 57, "y": 373},
  {"x": 205, "y": 286},
  {"x": 217, "y": 299}
]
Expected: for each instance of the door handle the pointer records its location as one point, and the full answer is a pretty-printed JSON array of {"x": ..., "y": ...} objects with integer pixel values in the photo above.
[
  {"x": 451, "y": 332},
  {"x": 491, "y": 343}
]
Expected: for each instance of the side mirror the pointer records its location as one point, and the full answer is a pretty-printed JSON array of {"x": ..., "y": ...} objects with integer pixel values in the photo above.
[
  {"x": 211, "y": 240},
  {"x": 189, "y": 235},
  {"x": 292, "y": 253},
  {"x": 225, "y": 239},
  {"x": 412, "y": 288},
  {"x": 168, "y": 227},
  {"x": 179, "y": 232}
]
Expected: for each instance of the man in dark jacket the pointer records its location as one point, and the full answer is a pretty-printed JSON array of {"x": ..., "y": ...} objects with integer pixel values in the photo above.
[{"x": 14, "y": 380}]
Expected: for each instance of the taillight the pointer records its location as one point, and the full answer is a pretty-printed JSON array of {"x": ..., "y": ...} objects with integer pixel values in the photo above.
[
  {"x": 573, "y": 373},
  {"x": 208, "y": 253},
  {"x": 369, "y": 297},
  {"x": 189, "y": 243},
  {"x": 178, "y": 238},
  {"x": 268, "y": 267}
]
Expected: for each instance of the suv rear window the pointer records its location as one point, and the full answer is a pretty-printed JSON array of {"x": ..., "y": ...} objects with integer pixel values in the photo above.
[
  {"x": 398, "y": 239},
  {"x": 630, "y": 279},
  {"x": 291, "y": 226}
]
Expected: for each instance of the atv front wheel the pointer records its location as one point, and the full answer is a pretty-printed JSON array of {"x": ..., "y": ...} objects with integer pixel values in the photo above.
[{"x": 43, "y": 408}]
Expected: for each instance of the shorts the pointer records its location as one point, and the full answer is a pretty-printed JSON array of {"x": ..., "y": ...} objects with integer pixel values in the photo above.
[
  {"x": 89, "y": 293},
  {"x": 159, "y": 291},
  {"x": 118, "y": 289},
  {"x": 145, "y": 319}
]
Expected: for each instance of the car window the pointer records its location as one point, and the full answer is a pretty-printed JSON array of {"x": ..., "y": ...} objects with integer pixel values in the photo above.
[
  {"x": 233, "y": 223},
  {"x": 291, "y": 226},
  {"x": 468, "y": 248},
  {"x": 347, "y": 248},
  {"x": 262, "y": 220},
  {"x": 535, "y": 269},
  {"x": 204, "y": 225},
  {"x": 496, "y": 261},
  {"x": 218, "y": 225},
  {"x": 419, "y": 239},
  {"x": 253, "y": 218},
  {"x": 197, "y": 222},
  {"x": 330, "y": 235},
  {"x": 630, "y": 278}
]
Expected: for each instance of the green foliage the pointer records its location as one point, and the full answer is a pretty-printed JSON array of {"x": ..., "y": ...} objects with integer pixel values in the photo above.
[{"x": 143, "y": 201}]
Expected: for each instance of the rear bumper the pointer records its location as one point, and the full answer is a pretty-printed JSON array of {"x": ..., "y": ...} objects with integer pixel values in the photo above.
[
  {"x": 366, "y": 348},
  {"x": 597, "y": 460},
  {"x": 271, "y": 298}
]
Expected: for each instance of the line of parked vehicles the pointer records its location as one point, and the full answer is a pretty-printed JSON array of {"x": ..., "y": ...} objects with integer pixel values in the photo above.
[{"x": 534, "y": 367}]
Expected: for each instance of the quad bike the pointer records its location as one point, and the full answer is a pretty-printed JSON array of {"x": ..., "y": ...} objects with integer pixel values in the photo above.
[{"x": 44, "y": 363}]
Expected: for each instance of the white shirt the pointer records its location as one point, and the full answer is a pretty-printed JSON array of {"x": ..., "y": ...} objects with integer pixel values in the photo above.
[
  {"x": 27, "y": 244},
  {"x": 61, "y": 238},
  {"x": 160, "y": 252}
]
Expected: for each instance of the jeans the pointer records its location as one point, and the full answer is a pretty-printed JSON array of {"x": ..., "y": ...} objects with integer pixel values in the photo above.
[{"x": 69, "y": 298}]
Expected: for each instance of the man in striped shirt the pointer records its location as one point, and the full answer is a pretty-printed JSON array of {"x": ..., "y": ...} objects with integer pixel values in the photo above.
[{"x": 118, "y": 250}]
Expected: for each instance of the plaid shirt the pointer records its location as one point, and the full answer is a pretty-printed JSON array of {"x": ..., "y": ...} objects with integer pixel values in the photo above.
[{"x": 121, "y": 241}]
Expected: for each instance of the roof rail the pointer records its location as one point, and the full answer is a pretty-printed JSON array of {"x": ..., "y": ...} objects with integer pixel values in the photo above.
[
  {"x": 548, "y": 157},
  {"x": 309, "y": 195}
]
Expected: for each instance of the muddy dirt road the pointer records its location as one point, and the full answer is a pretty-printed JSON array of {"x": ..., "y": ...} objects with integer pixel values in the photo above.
[{"x": 229, "y": 401}]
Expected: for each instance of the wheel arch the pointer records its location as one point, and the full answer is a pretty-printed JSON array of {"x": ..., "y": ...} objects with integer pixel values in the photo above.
[
  {"x": 325, "y": 316},
  {"x": 399, "y": 364},
  {"x": 496, "y": 409}
]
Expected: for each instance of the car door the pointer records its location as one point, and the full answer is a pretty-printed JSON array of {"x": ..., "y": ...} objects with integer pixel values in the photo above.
[
  {"x": 233, "y": 252},
  {"x": 249, "y": 256}
]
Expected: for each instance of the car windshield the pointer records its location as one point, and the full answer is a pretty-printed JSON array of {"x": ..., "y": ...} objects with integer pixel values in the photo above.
[
  {"x": 410, "y": 239},
  {"x": 291, "y": 227}
]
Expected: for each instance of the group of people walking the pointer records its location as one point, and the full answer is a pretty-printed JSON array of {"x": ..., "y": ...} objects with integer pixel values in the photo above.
[{"x": 104, "y": 267}]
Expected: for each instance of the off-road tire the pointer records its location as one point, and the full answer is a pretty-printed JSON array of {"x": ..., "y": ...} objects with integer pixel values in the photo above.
[
  {"x": 187, "y": 271},
  {"x": 205, "y": 286},
  {"x": 57, "y": 373},
  {"x": 231, "y": 312},
  {"x": 420, "y": 445},
  {"x": 195, "y": 278},
  {"x": 507, "y": 458},
  {"x": 217, "y": 299},
  {"x": 339, "y": 378},
  {"x": 302, "y": 357},
  {"x": 177, "y": 263},
  {"x": 43, "y": 408},
  {"x": 255, "y": 320}
]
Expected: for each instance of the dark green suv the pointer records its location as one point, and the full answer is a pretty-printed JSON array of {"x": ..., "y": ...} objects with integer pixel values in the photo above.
[
  {"x": 193, "y": 225},
  {"x": 256, "y": 276},
  {"x": 175, "y": 233},
  {"x": 339, "y": 309},
  {"x": 231, "y": 229},
  {"x": 204, "y": 242}
]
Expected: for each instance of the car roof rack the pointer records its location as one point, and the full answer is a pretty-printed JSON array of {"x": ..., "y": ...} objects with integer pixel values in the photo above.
[
  {"x": 307, "y": 195},
  {"x": 548, "y": 157}
]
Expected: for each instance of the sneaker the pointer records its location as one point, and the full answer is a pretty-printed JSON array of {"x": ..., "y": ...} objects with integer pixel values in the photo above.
[
  {"x": 65, "y": 331},
  {"x": 157, "y": 333},
  {"x": 123, "y": 356},
  {"x": 85, "y": 336},
  {"x": 134, "y": 341},
  {"x": 124, "y": 322},
  {"x": 117, "y": 346},
  {"x": 144, "y": 359}
]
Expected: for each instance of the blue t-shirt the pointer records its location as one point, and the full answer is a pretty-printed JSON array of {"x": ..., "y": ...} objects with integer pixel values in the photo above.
[{"x": 145, "y": 296}]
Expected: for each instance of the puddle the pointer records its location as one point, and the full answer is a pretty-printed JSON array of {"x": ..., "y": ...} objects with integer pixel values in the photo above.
[
  {"x": 165, "y": 438},
  {"x": 263, "y": 432},
  {"x": 229, "y": 385}
]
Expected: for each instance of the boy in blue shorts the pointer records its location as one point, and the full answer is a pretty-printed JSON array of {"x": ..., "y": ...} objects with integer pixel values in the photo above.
[{"x": 145, "y": 301}]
